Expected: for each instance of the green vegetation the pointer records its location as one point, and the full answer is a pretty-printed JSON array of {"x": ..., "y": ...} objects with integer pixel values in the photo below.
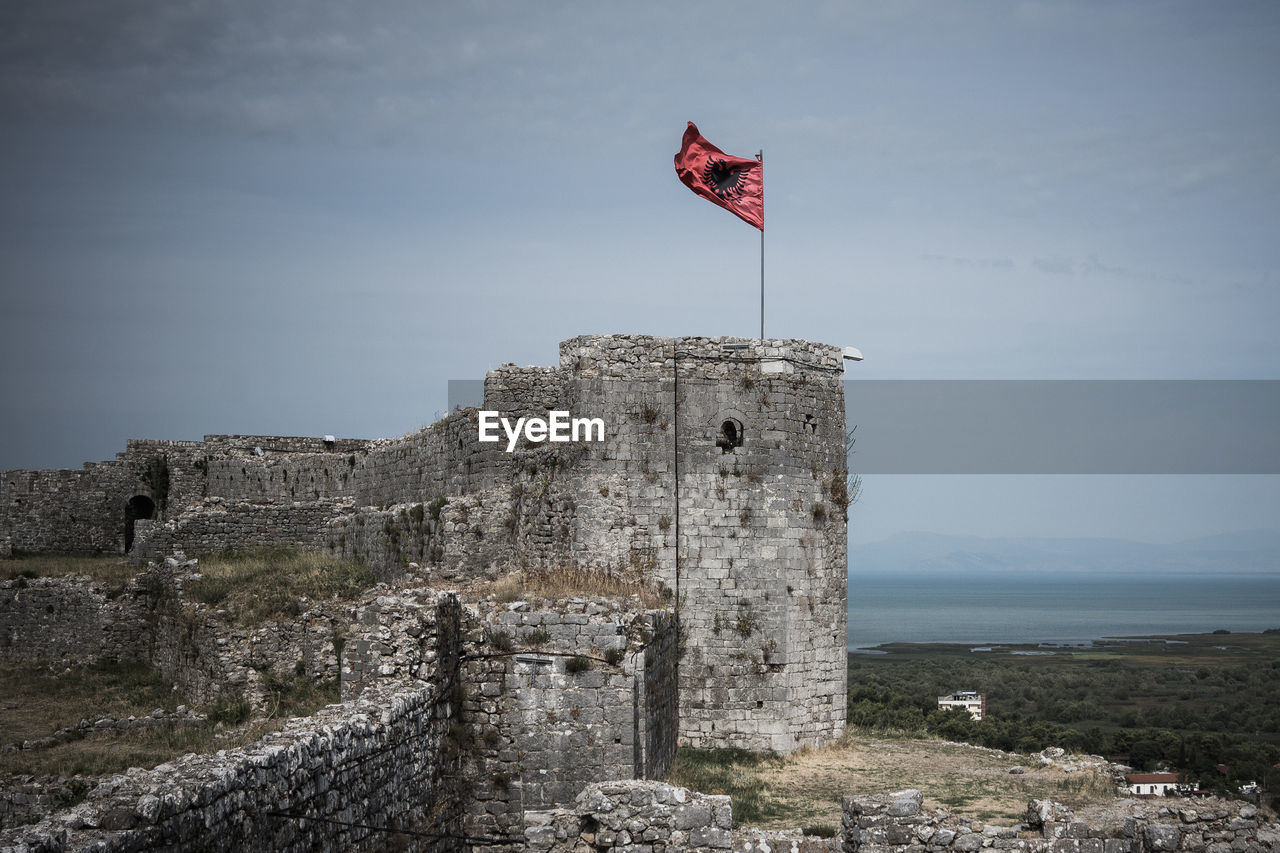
[
  {"x": 38, "y": 703},
  {"x": 1191, "y": 702},
  {"x": 736, "y": 772},
  {"x": 269, "y": 583},
  {"x": 113, "y": 570}
]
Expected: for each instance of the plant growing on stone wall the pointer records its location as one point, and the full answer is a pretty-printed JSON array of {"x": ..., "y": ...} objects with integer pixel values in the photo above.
[
  {"x": 577, "y": 664},
  {"x": 230, "y": 711},
  {"x": 500, "y": 641},
  {"x": 536, "y": 638},
  {"x": 614, "y": 655},
  {"x": 744, "y": 516},
  {"x": 716, "y": 625},
  {"x": 852, "y": 483},
  {"x": 266, "y": 583},
  {"x": 819, "y": 512},
  {"x": 664, "y": 523},
  {"x": 746, "y": 622},
  {"x": 437, "y": 504}
]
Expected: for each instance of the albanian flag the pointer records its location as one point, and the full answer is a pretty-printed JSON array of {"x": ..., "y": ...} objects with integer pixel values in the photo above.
[{"x": 734, "y": 183}]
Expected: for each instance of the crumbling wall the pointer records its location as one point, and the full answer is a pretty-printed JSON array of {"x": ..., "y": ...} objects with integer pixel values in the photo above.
[
  {"x": 634, "y": 816},
  {"x": 897, "y": 823},
  {"x": 69, "y": 621},
  {"x": 370, "y": 775},
  {"x": 559, "y": 695},
  {"x": 401, "y": 638},
  {"x": 74, "y": 511},
  {"x": 73, "y": 621},
  {"x": 217, "y": 525},
  {"x": 552, "y": 695}
]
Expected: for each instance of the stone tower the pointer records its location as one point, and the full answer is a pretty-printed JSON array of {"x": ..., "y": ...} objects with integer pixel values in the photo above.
[{"x": 730, "y": 454}]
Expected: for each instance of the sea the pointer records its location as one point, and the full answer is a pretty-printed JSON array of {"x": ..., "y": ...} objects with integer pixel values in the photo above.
[{"x": 1073, "y": 610}]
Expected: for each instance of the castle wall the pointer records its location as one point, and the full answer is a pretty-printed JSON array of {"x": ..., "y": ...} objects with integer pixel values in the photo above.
[
  {"x": 73, "y": 621},
  {"x": 549, "y": 713},
  {"x": 546, "y": 706},
  {"x": 337, "y": 781},
  {"x": 217, "y": 525},
  {"x": 78, "y": 511},
  {"x": 68, "y": 621},
  {"x": 754, "y": 504}
]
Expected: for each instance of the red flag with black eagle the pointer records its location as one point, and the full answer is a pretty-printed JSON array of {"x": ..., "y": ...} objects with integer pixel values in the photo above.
[{"x": 734, "y": 183}]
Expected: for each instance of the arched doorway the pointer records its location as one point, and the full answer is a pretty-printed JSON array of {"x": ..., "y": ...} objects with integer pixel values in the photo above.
[{"x": 139, "y": 506}]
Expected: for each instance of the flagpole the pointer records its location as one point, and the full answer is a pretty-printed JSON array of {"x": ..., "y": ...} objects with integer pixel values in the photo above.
[{"x": 760, "y": 157}]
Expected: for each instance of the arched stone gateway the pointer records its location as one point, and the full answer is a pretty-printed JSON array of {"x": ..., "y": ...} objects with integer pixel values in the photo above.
[{"x": 138, "y": 506}]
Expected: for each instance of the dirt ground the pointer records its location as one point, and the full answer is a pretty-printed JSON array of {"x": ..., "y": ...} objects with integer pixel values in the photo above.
[{"x": 966, "y": 781}]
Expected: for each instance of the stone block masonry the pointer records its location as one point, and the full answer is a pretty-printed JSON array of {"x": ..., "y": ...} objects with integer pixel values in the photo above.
[
  {"x": 73, "y": 621},
  {"x": 722, "y": 476},
  {"x": 371, "y": 775},
  {"x": 897, "y": 823},
  {"x": 69, "y": 622},
  {"x": 554, "y": 695}
]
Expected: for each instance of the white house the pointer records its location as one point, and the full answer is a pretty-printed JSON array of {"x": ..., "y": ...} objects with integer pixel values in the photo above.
[
  {"x": 1152, "y": 784},
  {"x": 971, "y": 700}
]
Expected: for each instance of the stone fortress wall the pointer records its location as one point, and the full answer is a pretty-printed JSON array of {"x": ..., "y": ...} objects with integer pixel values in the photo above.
[
  {"x": 503, "y": 725},
  {"x": 760, "y": 527},
  {"x": 720, "y": 480}
]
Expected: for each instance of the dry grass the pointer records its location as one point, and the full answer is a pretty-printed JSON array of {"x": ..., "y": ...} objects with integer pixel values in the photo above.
[
  {"x": 111, "y": 569},
  {"x": 570, "y": 582},
  {"x": 805, "y": 789},
  {"x": 271, "y": 583},
  {"x": 37, "y": 703},
  {"x": 105, "y": 753}
]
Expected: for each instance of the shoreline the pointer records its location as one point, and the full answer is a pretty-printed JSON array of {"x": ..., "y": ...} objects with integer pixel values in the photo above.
[{"x": 1054, "y": 647}]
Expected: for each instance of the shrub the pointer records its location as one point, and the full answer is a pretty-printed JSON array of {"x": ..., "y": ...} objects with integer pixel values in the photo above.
[{"x": 536, "y": 637}]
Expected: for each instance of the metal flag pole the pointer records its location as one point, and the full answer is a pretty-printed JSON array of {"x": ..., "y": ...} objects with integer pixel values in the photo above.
[{"x": 760, "y": 157}]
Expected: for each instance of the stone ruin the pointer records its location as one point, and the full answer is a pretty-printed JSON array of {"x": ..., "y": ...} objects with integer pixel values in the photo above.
[
  {"x": 720, "y": 479},
  {"x": 474, "y": 722}
]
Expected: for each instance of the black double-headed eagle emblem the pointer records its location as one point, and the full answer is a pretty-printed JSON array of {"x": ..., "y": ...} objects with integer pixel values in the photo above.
[{"x": 724, "y": 179}]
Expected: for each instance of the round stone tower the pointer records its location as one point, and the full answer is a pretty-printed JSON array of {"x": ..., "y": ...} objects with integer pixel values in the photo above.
[{"x": 725, "y": 476}]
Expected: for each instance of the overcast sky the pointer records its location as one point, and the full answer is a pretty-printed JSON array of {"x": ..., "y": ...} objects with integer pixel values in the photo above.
[{"x": 305, "y": 217}]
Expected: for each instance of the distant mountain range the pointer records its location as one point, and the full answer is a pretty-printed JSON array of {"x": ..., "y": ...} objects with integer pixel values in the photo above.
[{"x": 1253, "y": 552}]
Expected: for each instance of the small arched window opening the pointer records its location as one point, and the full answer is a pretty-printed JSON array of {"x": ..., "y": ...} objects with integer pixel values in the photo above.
[
  {"x": 138, "y": 506},
  {"x": 730, "y": 435}
]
